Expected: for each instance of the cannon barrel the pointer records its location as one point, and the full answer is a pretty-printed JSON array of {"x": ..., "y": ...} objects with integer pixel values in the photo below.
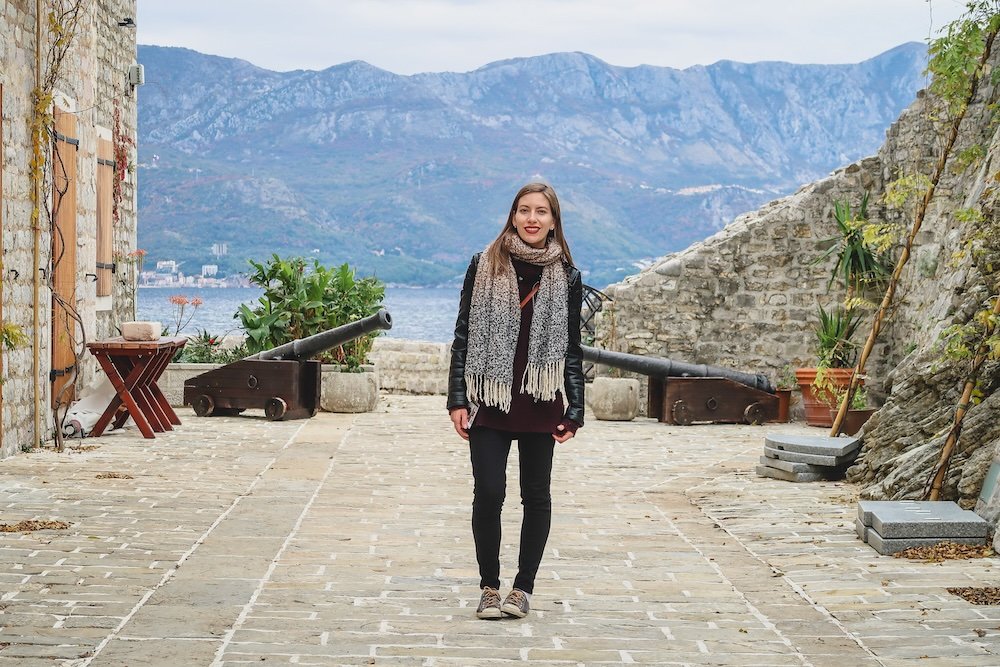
[
  {"x": 661, "y": 368},
  {"x": 305, "y": 348}
]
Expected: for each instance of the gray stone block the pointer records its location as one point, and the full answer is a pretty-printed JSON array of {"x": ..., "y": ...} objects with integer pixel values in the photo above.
[
  {"x": 988, "y": 504},
  {"x": 814, "y": 459},
  {"x": 898, "y": 519},
  {"x": 792, "y": 466},
  {"x": 888, "y": 545},
  {"x": 613, "y": 399},
  {"x": 861, "y": 529},
  {"x": 775, "y": 473},
  {"x": 811, "y": 444}
]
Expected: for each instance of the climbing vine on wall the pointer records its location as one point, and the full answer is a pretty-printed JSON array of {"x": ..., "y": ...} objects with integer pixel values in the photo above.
[
  {"x": 123, "y": 144},
  {"x": 62, "y": 22},
  {"x": 955, "y": 62},
  {"x": 955, "y": 57}
]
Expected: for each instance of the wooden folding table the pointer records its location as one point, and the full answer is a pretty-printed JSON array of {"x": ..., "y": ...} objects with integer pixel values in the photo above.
[{"x": 133, "y": 368}]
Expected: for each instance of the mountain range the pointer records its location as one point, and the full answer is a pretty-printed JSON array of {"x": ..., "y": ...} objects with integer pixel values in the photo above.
[{"x": 406, "y": 176}]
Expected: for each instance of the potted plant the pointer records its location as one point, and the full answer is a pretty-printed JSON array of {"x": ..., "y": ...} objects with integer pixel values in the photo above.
[
  {"x": 835, "y": 353},
  {"x": 785, "y": 384},
  {"x": 857, "y": 414},
  {"x": 861, "y": 266},
  {"x": 301, "y": 300}
]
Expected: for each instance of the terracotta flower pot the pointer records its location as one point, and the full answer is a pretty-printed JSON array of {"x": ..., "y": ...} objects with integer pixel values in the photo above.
[
  {"x": 784, "y": 403},
  {"x": 818, "y": 407},
  {"x": 853, "y": 420}
]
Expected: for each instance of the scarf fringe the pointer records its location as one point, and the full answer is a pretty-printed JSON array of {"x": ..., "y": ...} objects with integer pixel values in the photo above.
[
  {"x": 488, "y": 391},
  {"x": 494, "y": 328},
  {"x": 543, "y": 380}
]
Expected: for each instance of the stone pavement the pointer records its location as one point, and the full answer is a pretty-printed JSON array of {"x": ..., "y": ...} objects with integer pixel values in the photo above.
[{"x": 345, "y": 540}]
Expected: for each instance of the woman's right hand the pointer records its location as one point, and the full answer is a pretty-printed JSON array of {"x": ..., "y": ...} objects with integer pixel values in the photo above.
[{"x": 460, "y": 420}]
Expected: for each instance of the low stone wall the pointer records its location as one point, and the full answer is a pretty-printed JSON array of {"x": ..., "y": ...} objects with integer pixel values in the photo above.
[
  {"x": 404, "y": 367},
  {"x": 411, "y": 366},
  {"x": 171, "y": 383}
]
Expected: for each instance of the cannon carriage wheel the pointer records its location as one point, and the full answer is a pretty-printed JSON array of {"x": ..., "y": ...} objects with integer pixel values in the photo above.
[
  {"x": 275, "y": 408},
  {"x": 203, "y": 406},
  {"x": 754, "y": 414},
  {"x": 681, "y": 413}
]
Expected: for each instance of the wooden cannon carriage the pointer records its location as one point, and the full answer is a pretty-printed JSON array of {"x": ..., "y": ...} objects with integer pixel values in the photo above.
[
  {"x": 283, "y": 380},
  {"x": 683, "y": 393}
]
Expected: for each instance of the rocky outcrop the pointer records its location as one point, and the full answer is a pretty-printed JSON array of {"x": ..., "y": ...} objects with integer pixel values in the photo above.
[{"x": 957, "y": 275}]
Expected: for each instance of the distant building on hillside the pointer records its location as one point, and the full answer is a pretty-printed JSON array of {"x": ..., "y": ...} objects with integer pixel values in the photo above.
[{"x": 209, "y": 270}]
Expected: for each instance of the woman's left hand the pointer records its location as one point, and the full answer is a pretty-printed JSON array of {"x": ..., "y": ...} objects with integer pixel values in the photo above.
[{"x": 561, "y": 434}]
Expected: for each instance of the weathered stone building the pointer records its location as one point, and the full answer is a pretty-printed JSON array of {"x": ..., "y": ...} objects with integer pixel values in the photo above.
[
  {"x": 747, "y": 298},
  {"x": 82, "y": 250}
]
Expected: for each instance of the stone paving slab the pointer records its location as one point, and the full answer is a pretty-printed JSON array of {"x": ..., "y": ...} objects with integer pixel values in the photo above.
[
  {"x": 888, "y": 546},
  {"x": 811, "y": 444},
  {"x": 345, "y": 540},
  {"x": 787, "y": 475},
  {"x": 894, "y": 519},
  {"x": 812, "y": 459},
  {"x": 792, "y": 466}
]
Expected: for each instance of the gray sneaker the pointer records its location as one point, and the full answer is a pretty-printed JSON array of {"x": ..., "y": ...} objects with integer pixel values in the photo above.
[
  {"x": 489, "y": 603},
  {"x": 516, "y": 604}
]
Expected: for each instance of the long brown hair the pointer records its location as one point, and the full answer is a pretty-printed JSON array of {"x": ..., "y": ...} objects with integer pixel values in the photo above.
[{"x": 497, "y": 251}]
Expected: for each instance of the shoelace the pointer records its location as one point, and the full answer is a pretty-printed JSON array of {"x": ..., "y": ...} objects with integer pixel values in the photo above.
[
  {"x": 491, "y": 598},
  {"x": 516, "y": 597}
]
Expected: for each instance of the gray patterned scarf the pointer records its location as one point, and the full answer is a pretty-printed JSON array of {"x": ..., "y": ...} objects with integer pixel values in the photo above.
[{"x": 495, "y": 323}]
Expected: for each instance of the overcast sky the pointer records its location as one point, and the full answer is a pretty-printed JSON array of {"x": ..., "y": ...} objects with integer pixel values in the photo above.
[{"x": 409, "y": 36}]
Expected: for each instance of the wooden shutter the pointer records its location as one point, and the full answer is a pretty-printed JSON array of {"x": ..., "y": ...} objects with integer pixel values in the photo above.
[
  {"x": 105, "y": 184},
  {"x": 63, "y": 256}
]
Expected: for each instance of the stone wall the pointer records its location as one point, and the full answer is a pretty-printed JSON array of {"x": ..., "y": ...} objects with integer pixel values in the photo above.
[
  {"x": 403, "y": 367},
  {"x": 747, "y": 297},
  {"x": 411, "y": 367},
  {"x": 93, "y": 80}
]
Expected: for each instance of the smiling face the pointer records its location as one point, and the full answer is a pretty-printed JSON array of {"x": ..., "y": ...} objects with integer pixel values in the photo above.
[{"x": 533, "y": 219}]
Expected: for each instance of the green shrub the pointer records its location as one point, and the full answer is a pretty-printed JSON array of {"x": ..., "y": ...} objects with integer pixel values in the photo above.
[
  {"x": 12, "y": 336},
  {"x": 206, "y": 348},
  {"x": 301, "y": 300}
]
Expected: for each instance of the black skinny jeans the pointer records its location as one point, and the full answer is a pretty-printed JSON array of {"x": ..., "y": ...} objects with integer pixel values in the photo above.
[{"x": 489, "y": 449}]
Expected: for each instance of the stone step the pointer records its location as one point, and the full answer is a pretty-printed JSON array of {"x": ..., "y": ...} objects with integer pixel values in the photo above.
[
  {"x": 776, "y": 473},
  {"x": 888, "y": 546},
  {"x": 809, "y": 444},
  {"x": 814, "y": 459},
  {"x": 793, "y": 466},
  {"x": 940, "y": 520}
]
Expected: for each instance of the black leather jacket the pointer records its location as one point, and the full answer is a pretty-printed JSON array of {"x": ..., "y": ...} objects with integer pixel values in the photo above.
[{"x": 574, "y": 380}]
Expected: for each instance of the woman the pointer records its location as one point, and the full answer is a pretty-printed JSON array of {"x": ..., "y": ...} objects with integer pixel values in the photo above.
[{"x": 515, "y": 358}]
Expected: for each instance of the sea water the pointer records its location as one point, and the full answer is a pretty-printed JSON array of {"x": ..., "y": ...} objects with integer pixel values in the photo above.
[{"x": 426, "y": 313}]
